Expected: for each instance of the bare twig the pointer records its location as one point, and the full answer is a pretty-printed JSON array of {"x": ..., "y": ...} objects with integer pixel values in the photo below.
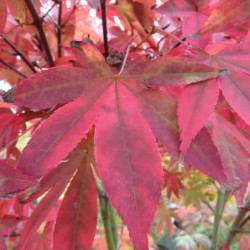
[
  {"x": 42, "y": 18},
  {"x": 239, "y": 221},
  {"x": 104, "y": 27},
  {"x": 69, "y": 16},
  {"x": 19, "y": 53},
  {"x": 38, "y": 23},
  {"x": 125, "y": 59},
  {"x": 13, "y": 68},
  {"x": 209, "y": 206}
]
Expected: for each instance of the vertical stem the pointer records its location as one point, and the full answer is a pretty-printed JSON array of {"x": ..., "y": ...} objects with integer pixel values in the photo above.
[
  {"x": 223, "y": 195},
  {"x": 113, "y": 224},
  {"x": 104, "y": 27},
  {"x": 59, "y": 31},
  {"x": 104, "y": 204},
  {"x": 39, "y": 26}
]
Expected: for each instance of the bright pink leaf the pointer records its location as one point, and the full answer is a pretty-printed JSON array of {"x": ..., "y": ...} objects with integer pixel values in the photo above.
[
  {"x": 203, "y": 155},
  {"x": 225, "y": 247},
  {"x": 168, "y": 70},
  {"x": 236, "y": 56},
  {"x": 227, "y": 14},
  {"x": 230, "y": 150},
  {"x": 235, "y": 88},
  {"x": 77, "y": 218},
  {"x": 240, "y": 135},
  {"x": 43, "y": 240},
  {"x": 125, "y": 148},
  {"x": 60, "y": 133},
  {"x": 54, "y": 86},
  {"x": 13, "y": 180},
  {"x": 196, "y": 103},
  {"x": 45, "y": 206}
]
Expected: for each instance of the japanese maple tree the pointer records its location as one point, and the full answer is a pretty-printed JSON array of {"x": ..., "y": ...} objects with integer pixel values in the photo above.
[{"x": 98, "y": 95}]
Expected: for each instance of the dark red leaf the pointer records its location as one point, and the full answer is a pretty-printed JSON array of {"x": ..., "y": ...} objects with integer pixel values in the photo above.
[
  {"x": 48, "y": 202},
  {"x": 122, "y": 159},
  {"x": 13, "y": 181},
  {"x": 77, "y": 217}
]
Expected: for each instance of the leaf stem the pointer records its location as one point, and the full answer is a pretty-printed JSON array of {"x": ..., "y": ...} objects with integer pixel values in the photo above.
[
  {"x": 113, "y": 224},
  {"x": 13, "y": 68},
  {"x": 18, "y": 53},
  {"x": 108, "y": 219},
  {"x": 38, "y": 23},
  {"x": 223, "y": 195},
  {"x": 104, "y": 27}
]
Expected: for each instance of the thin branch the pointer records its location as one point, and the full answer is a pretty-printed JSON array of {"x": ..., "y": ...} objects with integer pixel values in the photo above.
[
  {"x": 244, "y": 221},
  {"x": 104, "y": 27},
  {"x": 145, "y": 38},
  {"x": 38, "y": 23},
  {"x": 209, "y": 206},
  {"x": 42, "y": 18},
  {"x": 125, "y": 59},
  {"x": 239, "y": 221},
  {"x": 14, "y": 234},
  {"x": 13, "y": 68},
  {"x": 59, "y": 31},
  {"x": 69, "y": 16},
  {"x": 28, "y": 63}
]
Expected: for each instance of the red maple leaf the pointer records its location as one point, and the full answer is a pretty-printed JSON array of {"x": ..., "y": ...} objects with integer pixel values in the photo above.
[{"x": 129, "y": 112}]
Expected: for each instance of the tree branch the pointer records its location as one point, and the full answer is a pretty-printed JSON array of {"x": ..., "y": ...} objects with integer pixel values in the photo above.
[
  {"x": 69, "y": 16},
  {"x": 38, "y": 23},
  {"x": 42, "y": 18},
  {"x": 104, "y": 27},
  {"x": 238, "y": 222},
  {"x": 14, "y": 69},
  {"x": 28, "y": 63}
]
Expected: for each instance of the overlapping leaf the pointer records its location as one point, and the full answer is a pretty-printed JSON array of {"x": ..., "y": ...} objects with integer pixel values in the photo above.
[
  {"x": 77, "y": 218},
  {"x": 44, "y": 207},
  {"x": 13, "y": 180},
  {"x": 230, "y": 152}
]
